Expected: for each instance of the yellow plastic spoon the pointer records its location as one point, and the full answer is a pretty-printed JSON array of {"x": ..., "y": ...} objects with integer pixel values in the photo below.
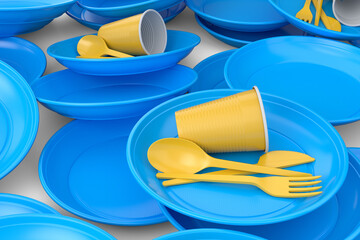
[
  {"x": 329, "y": 22},
  {"x": 92, "y": 46},
  {"x": 280, "y": 159},
  {"x": 176, "y": 155}
]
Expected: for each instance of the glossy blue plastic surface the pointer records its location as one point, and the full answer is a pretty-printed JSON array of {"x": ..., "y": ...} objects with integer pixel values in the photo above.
[
  {"x": 94, "y": 21},
  {"x": 211, "y": 72},
  {"x": 338, "y": 219},
  {"x": 239, "y": 15},
  {"x": 239, "y": 39},
  {"x": 23, "y": 16},
  {"x": 356, "y": 43},
  {"x": 291, "y": 127},
  {"x": 11, "y": 204},
  {"x": 98, "y": 98},
  {"x": 19, "y": 118},
  {"x": 315, "y": 72},
  {"x": 45, "y": 227},
  {"x": 207, "y": 234},
  {"x": 24, "y": 56},
  {"x": 124, "y": 8},
  {"x": 289, "y": 10},
  {"x": 179, "y": 45},
  {"x": 83, "y": 168}
]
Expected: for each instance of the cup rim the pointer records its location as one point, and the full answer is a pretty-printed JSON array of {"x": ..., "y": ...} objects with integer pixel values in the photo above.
[{"x": 266, "y": 132}]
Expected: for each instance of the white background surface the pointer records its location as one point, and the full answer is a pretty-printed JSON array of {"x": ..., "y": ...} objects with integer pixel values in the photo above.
[{"x": 24, "y": 179}]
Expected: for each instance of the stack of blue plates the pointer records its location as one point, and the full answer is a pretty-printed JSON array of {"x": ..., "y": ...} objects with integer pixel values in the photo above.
[
  {"x": 83, "y": 167},
  {"x": 94, "y": 14},
  {"x": 23, "y": 16}
]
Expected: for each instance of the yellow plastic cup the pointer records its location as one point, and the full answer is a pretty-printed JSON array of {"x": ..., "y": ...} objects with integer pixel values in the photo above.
[
  {"x": 235, "y": 123},
  {"x": 142, "y": 34}
]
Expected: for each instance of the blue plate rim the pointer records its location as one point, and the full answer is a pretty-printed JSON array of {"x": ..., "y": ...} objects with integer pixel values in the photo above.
[
  {"x": 21, "y": 82},
  {"x": 236, "y": 234},
  {"x": 241, "y": 222},
  {"x": 196, "y": 42},
  {"x": 314, "y": 40},
  {"x": 64, "y": 2},
  {"x": 203, "y": 15},
  {"x": 65, "y": 206},
  {"x": 117, "y": 103}
]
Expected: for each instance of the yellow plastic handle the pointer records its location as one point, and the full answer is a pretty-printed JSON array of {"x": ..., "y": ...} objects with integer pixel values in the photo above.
[{"x": 319, "y": 10}]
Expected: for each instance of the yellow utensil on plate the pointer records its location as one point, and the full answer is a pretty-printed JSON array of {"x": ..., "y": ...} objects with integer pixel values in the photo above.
[
  {"x": 279, "y": 159},
  {"x": 305, "y": 13},
  {"x": 176, "y": 155},
  {"x": 284, "y": 187},
  {"x": 319, "y": 10},
  {"x": 92, "y": 46},
  {"x": 329, "y": 22}
]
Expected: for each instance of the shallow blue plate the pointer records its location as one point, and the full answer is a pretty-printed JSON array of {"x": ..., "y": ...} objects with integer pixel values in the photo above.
[
  {"x": 239, "y": 39},
  {"x": 211, "y": 72},
  {"x": 207, "y": 234},
  {"x": 11, "y": 204},
  {"x": 317, "y": 73},
  {"x": 94, "y": 21},
  {"x": 98, "y": 98},
  {"x": 124, "y": 8},
  {"x": 23, "y": 16},
  {"x": 239, "y": 15},
  {"x": 19, "y": 118},
  {"x": 291, "y": 127},
  {"x": 179, "y": 45},
  {"x": 45, "y": 227},
  {"x": 24, "y": 56},
  {"x": 338, "y": 219},
  {"x": 83, "y": 168},
  {"x": 289, "y": 9}
]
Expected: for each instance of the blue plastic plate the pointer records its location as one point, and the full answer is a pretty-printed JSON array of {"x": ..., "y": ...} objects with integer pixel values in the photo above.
[
  {"x": 211, "y": 72},
  {"x": 289, "y": 9},
  {"x": 23, "y": 16},
  {"x": 338, "y": 219},
  {"x": 94, "y": 21},
  {"x": 19, "y": 118},
  {"x": 124, "y": 8},
  {"x": 45, "y": 227},
  {"x": 98, "y": 98},
  {"x": 207, "y": 234},
  {"x": 179, "y": 45},
  {"x": 239, "y": 15},
  {"x": 11, "y": 204},
  {"x": 83, "y": 168},
  {"x": 24, "y": 56},
  {"x": 315, "y": 72},
  {"x": 239, "y": 39},
  {"x": 291, "y": 127}
]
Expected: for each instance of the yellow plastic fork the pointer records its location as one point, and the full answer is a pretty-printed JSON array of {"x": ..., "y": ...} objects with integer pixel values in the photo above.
[
  {"x": 284, "y": 187},
  {"x": 305, "y": 13}
]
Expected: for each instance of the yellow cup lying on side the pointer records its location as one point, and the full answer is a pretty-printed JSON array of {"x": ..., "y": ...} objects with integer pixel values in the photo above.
[
  {"x": 232, "y": 124},
  {"x": 142, "y": 34}
]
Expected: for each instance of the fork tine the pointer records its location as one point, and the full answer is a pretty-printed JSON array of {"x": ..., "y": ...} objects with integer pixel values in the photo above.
[
  {"x": 298, "y": 179},
  {"x": 303, "y": 184},
  {"x": 301, "y": 195},
  {"x": 304, "y": 190}
]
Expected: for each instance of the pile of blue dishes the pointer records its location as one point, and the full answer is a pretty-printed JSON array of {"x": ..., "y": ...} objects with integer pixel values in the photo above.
[
  {"x": 94, "y": 14},
  {"x": 83, "y": 167},
  {"x": 26, "y": 218},
  {"x": 22, "y": 16}
]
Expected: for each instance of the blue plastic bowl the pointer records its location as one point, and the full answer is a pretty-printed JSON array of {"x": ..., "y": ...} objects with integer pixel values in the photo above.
[
  {"x": 179, "y": 45},
  {"x": 338, "y": 219},
  {"x": 124, "y": 8},
  {"x": 239, "y": 15},
  {"x": 291, "y": 127},
  {"x": 22, "y": 16},
  {"x": 94, "y": 21},
  {"x": 207, "y": 234},
  {"x": 98, "y": 98}
]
